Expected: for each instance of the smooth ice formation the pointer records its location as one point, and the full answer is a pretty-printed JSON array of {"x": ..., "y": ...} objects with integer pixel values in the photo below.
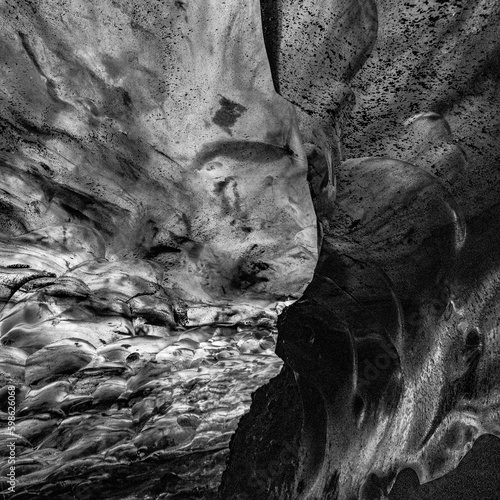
[
  {"x": 186, "y": 187},
  {"x": 155, "y": 214}
]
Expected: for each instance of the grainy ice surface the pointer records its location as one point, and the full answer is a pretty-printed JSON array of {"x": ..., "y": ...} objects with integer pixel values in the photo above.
[
  {"x": 154, "y": 219},
  {"x": 394, "y": 345},
  {"x": 249, "y": 250}
]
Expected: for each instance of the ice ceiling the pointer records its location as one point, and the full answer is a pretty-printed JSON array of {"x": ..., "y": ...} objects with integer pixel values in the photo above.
[{"x": 175, "y": 174}]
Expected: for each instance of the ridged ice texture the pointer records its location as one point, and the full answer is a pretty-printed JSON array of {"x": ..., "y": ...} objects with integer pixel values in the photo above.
[
  {"x": 154, "y": 218},
  {"x": 116, "y": 376}
]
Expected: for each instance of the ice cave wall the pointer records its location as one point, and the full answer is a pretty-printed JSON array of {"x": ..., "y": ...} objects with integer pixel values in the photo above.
[{"x": 155, "y": 209}]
